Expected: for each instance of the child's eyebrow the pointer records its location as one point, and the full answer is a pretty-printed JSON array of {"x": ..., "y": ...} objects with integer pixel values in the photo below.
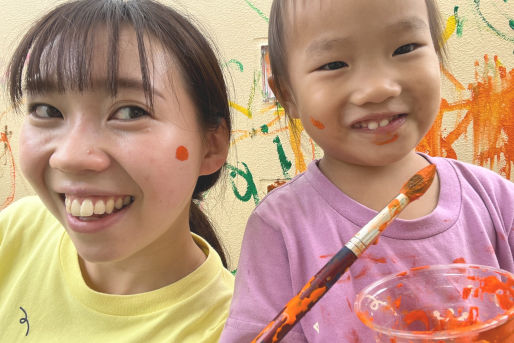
[
  {"x": 325, "y": 44},
  {"x": 408, "y": 24}
]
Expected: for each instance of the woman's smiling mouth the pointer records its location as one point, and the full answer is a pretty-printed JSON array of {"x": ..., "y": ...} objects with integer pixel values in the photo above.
[{"x": 93, "y": 206}]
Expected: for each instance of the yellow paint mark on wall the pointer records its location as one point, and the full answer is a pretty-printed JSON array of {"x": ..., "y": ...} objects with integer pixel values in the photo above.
[
  {"x": 451, "y": 25},
  {"x": 241, "y": 109}
]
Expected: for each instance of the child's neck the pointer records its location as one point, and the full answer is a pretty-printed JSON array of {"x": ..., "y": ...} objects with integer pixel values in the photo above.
[{"x": 374, "y": 187}]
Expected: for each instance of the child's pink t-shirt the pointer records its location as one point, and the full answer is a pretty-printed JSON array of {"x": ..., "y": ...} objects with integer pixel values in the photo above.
[{"x": 296, "y": 228}]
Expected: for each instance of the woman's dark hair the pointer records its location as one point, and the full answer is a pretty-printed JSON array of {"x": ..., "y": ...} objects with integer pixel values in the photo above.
[
  {"x": 61, "y": 47},
  {"x": 277, "y": 39}
]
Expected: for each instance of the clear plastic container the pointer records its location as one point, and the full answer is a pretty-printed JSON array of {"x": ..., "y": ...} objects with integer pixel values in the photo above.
[{"x": 445, "y": 303}]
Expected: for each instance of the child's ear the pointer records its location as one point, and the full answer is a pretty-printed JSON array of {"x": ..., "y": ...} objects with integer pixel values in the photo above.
[
  {"x": 285, "y": 98},
  {"x": 216, "y": 145}
]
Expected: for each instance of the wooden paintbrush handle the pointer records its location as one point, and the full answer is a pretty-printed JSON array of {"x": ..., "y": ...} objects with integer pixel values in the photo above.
[{"x": 298, "y": 306}]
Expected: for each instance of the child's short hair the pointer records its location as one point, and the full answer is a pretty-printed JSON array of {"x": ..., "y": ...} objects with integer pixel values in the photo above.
[
  {"x": 57, "y": 53},
  {"x": 278, "y": 53}
]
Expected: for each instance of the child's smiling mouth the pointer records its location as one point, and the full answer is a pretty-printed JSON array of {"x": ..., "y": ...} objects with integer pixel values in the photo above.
[
  {"x": 374, "y": 124},
  {"x": 84, "y": 207}
]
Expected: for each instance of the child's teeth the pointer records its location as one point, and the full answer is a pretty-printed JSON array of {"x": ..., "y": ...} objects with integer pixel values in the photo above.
[
  {"x": 86, "y": 209},
  {"x": 384, "y": 122},
  {"x": 126, "y": 200},
  {"x": 99, "y": 207},
  {"x": 372, "y": 125}
]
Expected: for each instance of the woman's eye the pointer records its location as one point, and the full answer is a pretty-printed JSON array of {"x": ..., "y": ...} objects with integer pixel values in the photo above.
[
  {"x": 129, "y": 113},
  {"x": 334, "y": 65},
  {"x": 44, "y": 111},
  {"x": 405, "y": 49}
]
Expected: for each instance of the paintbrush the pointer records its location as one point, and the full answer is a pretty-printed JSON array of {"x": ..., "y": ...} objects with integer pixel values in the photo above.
[{"x": 320, "y": 283}]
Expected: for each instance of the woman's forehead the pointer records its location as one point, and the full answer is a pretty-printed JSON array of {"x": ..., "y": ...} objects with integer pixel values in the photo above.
[{"x": 104, "y": 63}]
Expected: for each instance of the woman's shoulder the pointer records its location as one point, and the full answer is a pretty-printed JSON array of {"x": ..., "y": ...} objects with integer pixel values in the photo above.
[{"x": 27, "y": 214}]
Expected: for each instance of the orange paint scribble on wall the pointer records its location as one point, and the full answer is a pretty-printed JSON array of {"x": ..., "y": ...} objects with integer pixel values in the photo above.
[
  {"x": 8, "y": 156},
  {"x": 490, "y": 112}
]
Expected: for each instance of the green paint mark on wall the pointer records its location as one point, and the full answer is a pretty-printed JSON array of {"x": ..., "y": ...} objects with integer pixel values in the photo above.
[
  {"x": 284, "y": 162},
  {"x": 489, "y": 25},
  {"x": 237, "y": 63},
  {"x": 264, "y": 128},
  {"x": 261, "y": 14},
  {"x": 251, "y": 189},
  {"x": 459, "y": 21}
]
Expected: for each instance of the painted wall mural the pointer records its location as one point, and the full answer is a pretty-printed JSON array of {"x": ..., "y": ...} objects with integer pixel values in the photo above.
[{"x": 475, "y": 122}]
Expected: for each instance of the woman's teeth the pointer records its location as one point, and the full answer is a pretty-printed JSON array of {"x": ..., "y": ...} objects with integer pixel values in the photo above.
[{"x": 88, "y": 207}]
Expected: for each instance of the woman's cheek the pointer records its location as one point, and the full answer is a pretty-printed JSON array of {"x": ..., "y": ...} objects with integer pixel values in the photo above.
[{"x": 32, "y": 156}]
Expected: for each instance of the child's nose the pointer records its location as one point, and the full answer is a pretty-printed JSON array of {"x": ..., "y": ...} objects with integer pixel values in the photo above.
[
  {"x": 79, "y": 150},
  {"x": 375, "y": 87}
]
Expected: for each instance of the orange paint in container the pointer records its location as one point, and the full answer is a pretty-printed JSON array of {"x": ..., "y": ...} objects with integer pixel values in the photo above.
[{"x": 457, "y": 303}]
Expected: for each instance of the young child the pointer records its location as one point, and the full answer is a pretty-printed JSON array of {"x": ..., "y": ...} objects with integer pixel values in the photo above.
[
  {"x": 364, "y": 78},
  {"x": 127, "y": 125}
]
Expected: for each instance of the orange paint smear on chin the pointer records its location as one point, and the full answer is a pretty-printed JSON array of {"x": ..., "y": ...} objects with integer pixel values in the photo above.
[
  {"x": 390, "y": 140},
  {"x": 317, "y": 124},
  {"x": 182, "y": 153}
]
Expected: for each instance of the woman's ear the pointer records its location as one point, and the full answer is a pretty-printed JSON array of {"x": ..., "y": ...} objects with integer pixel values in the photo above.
[
  {"x": 284, "y": 97},
  {"x": 216, "y": 144}
]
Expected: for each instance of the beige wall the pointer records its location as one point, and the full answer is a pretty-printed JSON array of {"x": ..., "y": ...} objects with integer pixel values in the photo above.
[{"x": 477, "y": 117}]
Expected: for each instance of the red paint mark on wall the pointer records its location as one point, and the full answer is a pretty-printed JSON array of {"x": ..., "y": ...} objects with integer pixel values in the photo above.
[
  {"x": 182, "y": 153},
  {"x": 317, "y": 124}
]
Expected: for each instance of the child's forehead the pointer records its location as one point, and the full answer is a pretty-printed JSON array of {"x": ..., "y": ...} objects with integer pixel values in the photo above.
[
  {"x": 349, "y": 18},
  {"x": 300, "y": 13}
]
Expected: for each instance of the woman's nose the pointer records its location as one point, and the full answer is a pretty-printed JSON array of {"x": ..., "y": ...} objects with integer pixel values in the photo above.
[
  {"x": 375, "y": 86},
  {"x": 79, "y": 150}
]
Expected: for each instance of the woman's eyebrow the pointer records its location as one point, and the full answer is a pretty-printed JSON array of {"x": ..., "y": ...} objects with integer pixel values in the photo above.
[
  {"x": 49, "y": 86},
  {"x": 131, "y": 84}
]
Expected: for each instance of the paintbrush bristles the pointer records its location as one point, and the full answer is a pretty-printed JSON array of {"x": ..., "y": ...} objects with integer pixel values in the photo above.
[{"x": 419, "y": 183}]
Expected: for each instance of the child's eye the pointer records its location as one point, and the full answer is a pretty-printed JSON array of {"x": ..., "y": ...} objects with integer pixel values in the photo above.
[
  {"x": 405, "y": 49},
  {"x": 334, "y": 65},
  {"x": 129, "y": 113},
  {"x": 42, "y": 111}
]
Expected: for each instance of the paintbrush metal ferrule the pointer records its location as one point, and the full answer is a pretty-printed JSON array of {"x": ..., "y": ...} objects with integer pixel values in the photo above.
[{"x": 370, "y": 232}]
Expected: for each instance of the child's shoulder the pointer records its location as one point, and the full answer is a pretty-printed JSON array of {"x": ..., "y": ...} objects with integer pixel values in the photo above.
[
  {"x": 475, "y": 174},
  {"x": 302, "y": 188}
]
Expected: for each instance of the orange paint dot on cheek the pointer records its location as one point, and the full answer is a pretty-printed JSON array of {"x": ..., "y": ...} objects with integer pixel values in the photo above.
[
  {"x": 317, "y": 124},
  {"x": 182, "y": 153}
]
